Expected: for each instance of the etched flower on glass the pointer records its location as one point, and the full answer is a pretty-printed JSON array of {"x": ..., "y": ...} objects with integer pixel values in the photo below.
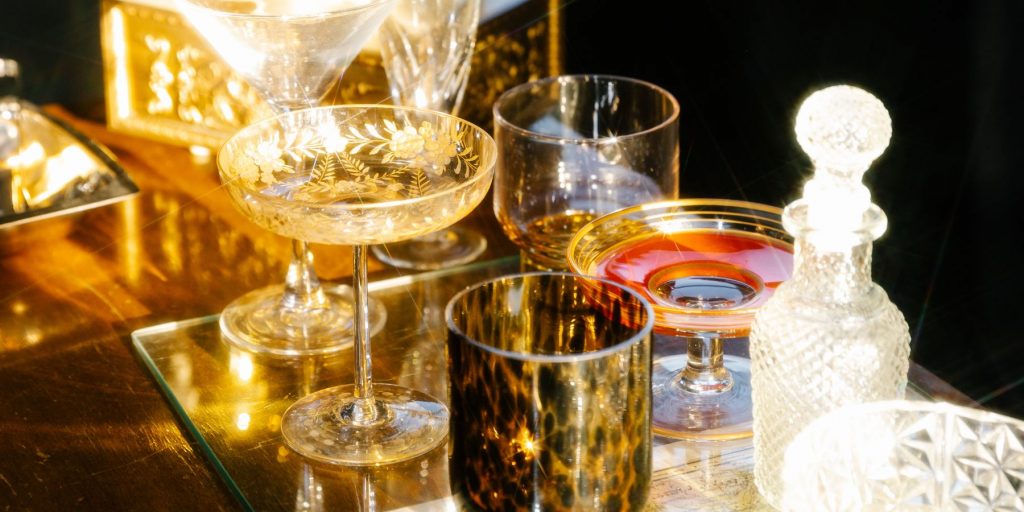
[{"x": 427, "y": 46}]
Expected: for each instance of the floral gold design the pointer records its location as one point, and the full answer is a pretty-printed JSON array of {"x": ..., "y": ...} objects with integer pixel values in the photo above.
[
  {"x": 390, "y": 160},
  {"x": 266, "y": 161}
]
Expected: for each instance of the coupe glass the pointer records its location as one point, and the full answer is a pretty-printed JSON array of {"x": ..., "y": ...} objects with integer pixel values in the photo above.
[
  {"x": 427, "y": 45},
  {"x": 359, "y": 175},
  {"x": 901, "y": 455},
  {"x": 290, "y": 52},
  {"x": 706, "y": 265},
  {"x": 573, "y": 148}
]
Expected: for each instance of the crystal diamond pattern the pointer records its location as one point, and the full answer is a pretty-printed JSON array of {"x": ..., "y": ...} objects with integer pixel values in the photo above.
[
  {"x": 830, "y": 337},
  {"x": 906, "y": 456},
  {"x": 821, "y": 366}
]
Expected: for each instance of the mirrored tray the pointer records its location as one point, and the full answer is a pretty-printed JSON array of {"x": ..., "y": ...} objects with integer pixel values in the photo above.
[
  {"x": 232, "y": 402},
  {"x": 53, "y": 170}
]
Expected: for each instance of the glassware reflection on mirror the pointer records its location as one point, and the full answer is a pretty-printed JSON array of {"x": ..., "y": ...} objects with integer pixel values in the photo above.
[
  {"x": 573, "y": 148},
  {"x": 550, "y": 394},
  {"x": 706, "y": 265},
  {"x": 427, "y": 47},
  {"x": 359, "y": 175},
  {"x": 11, "y": 198},
  {"x": 905, "y": 455},
  {"x": 290, "y": 52},
  {"x": 424, "y": 345}
]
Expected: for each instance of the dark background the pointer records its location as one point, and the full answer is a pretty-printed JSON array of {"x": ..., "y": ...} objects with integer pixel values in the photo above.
[
  {"x": 950, "y": 75},
  {"x": 949, "y": 72}
]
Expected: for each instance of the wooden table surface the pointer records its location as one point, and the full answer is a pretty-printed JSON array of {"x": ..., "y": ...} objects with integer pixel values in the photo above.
[{"x": 82, "y": 423}]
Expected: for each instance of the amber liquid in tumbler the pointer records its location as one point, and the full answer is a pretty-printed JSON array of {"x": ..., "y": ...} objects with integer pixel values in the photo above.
[
  {"x": 550, "y": 235},
  {"x": 700, "y": 269}
]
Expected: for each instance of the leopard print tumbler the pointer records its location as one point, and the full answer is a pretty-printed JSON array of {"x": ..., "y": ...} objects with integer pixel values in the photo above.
[{"x": 550, "y": 394}]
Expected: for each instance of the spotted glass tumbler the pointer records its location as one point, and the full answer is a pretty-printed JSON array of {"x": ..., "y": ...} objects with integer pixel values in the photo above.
[{"x": 550, "y": 394}]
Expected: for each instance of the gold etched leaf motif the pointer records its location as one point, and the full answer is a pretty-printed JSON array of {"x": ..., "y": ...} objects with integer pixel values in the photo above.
[
  {"x": 354, "y": 167},
  {"x": 325, "y": 168},
  {"x": 303, "y": 143},
  {"x": 380, "y": 162},
  {"x": 419, "y": 185}
]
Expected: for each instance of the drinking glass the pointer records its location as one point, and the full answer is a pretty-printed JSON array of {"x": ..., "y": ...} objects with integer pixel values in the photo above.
[
  {"x": 706, "y": 265},
  {"x": 291, "y": 53},
  {"x": 11, "y": 198},
  {"x": 550, "y": 394},
  {"x": 903, "y": 455},
  {"x": 573, "y": 148},
  {"x": 426, "y": 46},
  {"x": 358, "y": 175}
]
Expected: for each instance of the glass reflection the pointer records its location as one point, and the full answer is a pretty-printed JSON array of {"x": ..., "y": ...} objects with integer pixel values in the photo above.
[{"x": 46, "y": 167}]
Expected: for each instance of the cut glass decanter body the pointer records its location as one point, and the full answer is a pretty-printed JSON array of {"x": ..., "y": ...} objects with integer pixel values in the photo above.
[{"x": 830, "y": 336}]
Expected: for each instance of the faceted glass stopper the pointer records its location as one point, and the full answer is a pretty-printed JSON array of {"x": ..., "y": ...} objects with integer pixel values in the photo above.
[{"x": 843, "y": 129}]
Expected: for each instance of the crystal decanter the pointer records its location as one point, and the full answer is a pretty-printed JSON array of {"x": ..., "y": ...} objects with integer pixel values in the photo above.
[{"x": 830, "y": 336}]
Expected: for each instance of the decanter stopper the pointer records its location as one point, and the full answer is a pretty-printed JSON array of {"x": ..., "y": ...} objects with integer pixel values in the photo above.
[
  {"x": 843, "y": 129},
  {"x": 829, "y": 336}
]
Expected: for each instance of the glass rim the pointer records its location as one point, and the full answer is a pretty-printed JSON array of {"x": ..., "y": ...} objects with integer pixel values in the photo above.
[
  {"x": 331, "y": 12},
  {"x": 505, "y": 123},
  {"x": 660, "y": 309},
  {"x": 645, "y": 331},
  {"x": 907, "y": 406},
  {"x": 485, "y": 169}
]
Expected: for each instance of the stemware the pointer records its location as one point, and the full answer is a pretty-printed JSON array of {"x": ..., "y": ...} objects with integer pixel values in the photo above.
[
  {"x": 426, "y": 46},
  {"x": 290, "y": 52},
  {"x": 359, "y": 175},
  {"x": 706, "y": 265}
]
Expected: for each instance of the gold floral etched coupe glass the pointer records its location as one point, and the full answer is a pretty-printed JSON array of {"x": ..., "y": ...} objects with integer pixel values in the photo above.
[
  {"x": 427, "y": 47},
  {"x": 359, "y": 175},
  {"x": 290, "y": 52},
  {"x": 706, "y": 265}
]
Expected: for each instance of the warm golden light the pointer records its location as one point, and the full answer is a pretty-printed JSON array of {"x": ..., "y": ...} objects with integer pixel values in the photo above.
[
  {"x": 30, "y": 156},
  {"x": 56, "y": 174},
  {"x": 242, "y": 421},
  {"x": 33, "y": 336},
  {"x": 525, "y": 442},
  {"x": 240, "y": 365},
  {"x": 119, "y": 46}
]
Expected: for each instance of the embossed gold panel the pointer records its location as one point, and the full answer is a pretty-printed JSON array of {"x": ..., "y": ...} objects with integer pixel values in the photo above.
[{"x": 164, "y": 82}]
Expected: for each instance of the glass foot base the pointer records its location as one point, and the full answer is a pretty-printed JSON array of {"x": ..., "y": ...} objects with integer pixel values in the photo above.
[
  {"x": 681, "y": 414},
  {"x": 409, "y": 424},
  {"x": 446, "y": 248},
  {"x": 256, "y": 322}
]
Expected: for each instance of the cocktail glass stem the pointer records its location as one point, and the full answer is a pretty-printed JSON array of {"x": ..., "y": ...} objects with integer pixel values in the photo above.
[
  {"x": 705, "y": 371},
  {"x": 363, "y": 410},
  {"x": 302, "y": 289}
]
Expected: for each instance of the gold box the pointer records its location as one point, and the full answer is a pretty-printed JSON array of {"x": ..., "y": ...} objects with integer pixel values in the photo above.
[{"x": 162, "y": 81}]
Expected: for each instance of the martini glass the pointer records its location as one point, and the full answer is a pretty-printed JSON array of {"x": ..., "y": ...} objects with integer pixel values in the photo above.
[
  {"x": 359, "y": 175},
  {"x": 706, "y": 265},
  {"x": 427, "y": 45},
  {"x": 290, "y": 51}
]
